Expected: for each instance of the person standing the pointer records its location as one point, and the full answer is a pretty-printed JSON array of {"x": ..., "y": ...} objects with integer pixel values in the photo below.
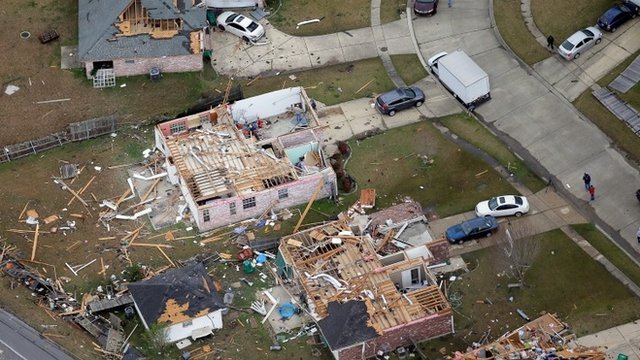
[
  {"x": 450, "y": 2},
  {"x": 587, "y": 181},
  {"x": 550, "y": 41},
  {"x": 638, "y": 235},
  {"x": 592, "y": 191}
]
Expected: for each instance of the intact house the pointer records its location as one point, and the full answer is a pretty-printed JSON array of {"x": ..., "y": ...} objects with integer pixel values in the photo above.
[
  {"x": 239, "y": 161},
  {"x": 185, "y": 299},
  {"x": 363, "y": 302},
  {"x": 134, "y": 36}
]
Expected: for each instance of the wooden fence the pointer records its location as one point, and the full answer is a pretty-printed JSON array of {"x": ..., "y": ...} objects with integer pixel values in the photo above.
[{"x": 74, "y": 132}]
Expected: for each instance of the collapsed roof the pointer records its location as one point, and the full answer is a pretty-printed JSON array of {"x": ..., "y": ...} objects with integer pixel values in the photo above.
[
  {"x": 342, "y": 277},
  {"x": 176, "y": 296}
]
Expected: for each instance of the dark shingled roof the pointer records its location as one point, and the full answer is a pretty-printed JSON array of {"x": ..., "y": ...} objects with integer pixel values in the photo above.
[
  {"x": 184, "y": 285},
  {"x": 346, "y": 324},
  {"x": 96, "y": 19}
]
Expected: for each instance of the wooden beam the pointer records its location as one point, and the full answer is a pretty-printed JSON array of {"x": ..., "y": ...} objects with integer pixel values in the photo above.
[
  {"x": 152, "y": 245},
  {"x": 35, "y": 242},
  {"x": 165, "y": 256},
  {"x": 306, "y": 210},
  {"x": 75, "y": 194},
  {"x": 82, "y": 189},
  {"x": 24, "y": 209},
  {"x": 72, "y": 246},
  {"x": 153, "y": 186}
]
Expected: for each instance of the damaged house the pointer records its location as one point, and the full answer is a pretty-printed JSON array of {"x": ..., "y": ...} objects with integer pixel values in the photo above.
[
  {"x": 361, "y": 301},
  {"x": 239, "y": 161},
  {"x": 543, "y": 338},
  {"x": 132, "y": 37},
  {"x": 185, "y": 298}
]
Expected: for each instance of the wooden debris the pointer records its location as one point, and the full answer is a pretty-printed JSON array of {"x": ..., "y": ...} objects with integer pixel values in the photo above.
[
  {"x": 32, "y": 213},
  {"x": 77, "y": 216},
  {"x": 35, "y": 243},
  {"x": 51, "y": 218},
  {"x": 165, "y": 255},
  {"x": 294, "y": 242},
  {"x": 107, "y": 238},
  {"x": 19, "y": 231},
  {"x": 75, "y": 194},
  {"x": 482, "y": 173},
  {"x": 82, "y": 190},
  {"x": 254, "y": 80},
  {"x": 103, "y": 270},
  {"x": 23, "y": 210},
  {"x": 368, "y": 198},
  {"x": 206, "y": 285},
  {"x": 169, "y": 236},
  {"x": 306, "y": 210},
  {"x": 122, "y": 197},
  {"x": 364, "y": 86},
  {"x": 152, "y": 245},
  {"x": 153, "y": 186},
  {"x": 73, "y": 246}
]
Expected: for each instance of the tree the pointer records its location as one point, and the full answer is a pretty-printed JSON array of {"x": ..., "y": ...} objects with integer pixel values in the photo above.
[{"x": 516, "y": 251}]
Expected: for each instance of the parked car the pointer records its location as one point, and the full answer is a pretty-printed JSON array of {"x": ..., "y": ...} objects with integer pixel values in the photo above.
[
  {"x": 472, "y": 229},
  {"x": 399, "y": 99},
  {"x": 617, "y": 15},
  {"x": 633, "y": 5},
  {"x": 240, "y": 25},
  {"x": 580, "y": 42},
  {"x": 505, "y": 205},
  {"x": 425, "y": 7}
]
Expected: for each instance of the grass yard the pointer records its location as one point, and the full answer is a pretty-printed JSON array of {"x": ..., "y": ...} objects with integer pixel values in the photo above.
[
  {"x": 514, "y": 32},
  {"x": 472, "y": 131},
  {"x": 332, "y": 84},
  {"x": 392, "y": 163},
  {"x": 409, "y": 68},
  {"x": 563, "y": 280},
  {"x": 622, "y": 136},
  {"x": 610, "y": 250},
  {"x": 575, "y": 15},
  {"x": 336, "y": 16},
  {"x": 390, "y": 10}
]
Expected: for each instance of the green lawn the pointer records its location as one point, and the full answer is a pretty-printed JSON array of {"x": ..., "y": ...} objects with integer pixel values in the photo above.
[
  {"x": 563, "y": 280},
  {"x": 331, "y": 84},
  {"x": 335, "y": 16},
  {"x": 622, "y": 136},
  {"x": 409, "y": 68},
  {"x": 610, "y": 250},
  {"x": 390, "y": 10},
  {"x": 472, "y": 131},
  {"x": 576, "y": 14},
  {"x": 392, "y": 163},
  {"x": 514, "y": 32}
]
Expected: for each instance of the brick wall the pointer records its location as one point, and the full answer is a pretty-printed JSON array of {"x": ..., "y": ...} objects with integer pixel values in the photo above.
[
  {"x": 421, "y": 330},
  {"x": 440, "y": 250},
  {"x": 299, "y": 192},
  {"x": 141, "y": 66}
]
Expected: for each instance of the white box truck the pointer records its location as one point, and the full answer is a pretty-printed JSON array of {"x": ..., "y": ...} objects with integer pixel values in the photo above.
[{"x": 462, "y": 76}]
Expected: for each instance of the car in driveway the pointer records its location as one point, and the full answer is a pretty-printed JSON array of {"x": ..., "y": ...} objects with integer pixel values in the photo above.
[
  {"x": 617, "y": 15},
  {"x": 425, "y": 7},
  {"x": 240, "y": 25},
  {"x": 505, "y": 205},
  {"x": 483, "y": 226},
  {"x": 580, "y": 42},
  {"x": 398, "y": 99}
]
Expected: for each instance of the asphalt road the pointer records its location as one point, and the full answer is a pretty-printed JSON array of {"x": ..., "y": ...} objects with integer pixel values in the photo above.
[{"x": 19, "y": 341}]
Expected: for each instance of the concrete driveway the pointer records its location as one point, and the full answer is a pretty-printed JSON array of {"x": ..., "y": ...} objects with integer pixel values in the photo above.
[
  {"x": 530, "y": 113},
  {"x": 280, "y": 52}
]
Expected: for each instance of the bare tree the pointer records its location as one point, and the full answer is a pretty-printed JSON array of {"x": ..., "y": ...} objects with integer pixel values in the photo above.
[{"x": 517, "y": 249}]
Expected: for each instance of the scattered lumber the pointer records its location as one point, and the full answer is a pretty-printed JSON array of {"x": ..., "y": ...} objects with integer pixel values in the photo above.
[
  {"x": 152, "y": 245},
  {"x": 35, "y": 243}
]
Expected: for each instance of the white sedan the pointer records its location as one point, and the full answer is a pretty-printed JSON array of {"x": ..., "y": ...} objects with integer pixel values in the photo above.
[
  {"x": 505, "y": 205},
  {"x": 240, "y": 25}
]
